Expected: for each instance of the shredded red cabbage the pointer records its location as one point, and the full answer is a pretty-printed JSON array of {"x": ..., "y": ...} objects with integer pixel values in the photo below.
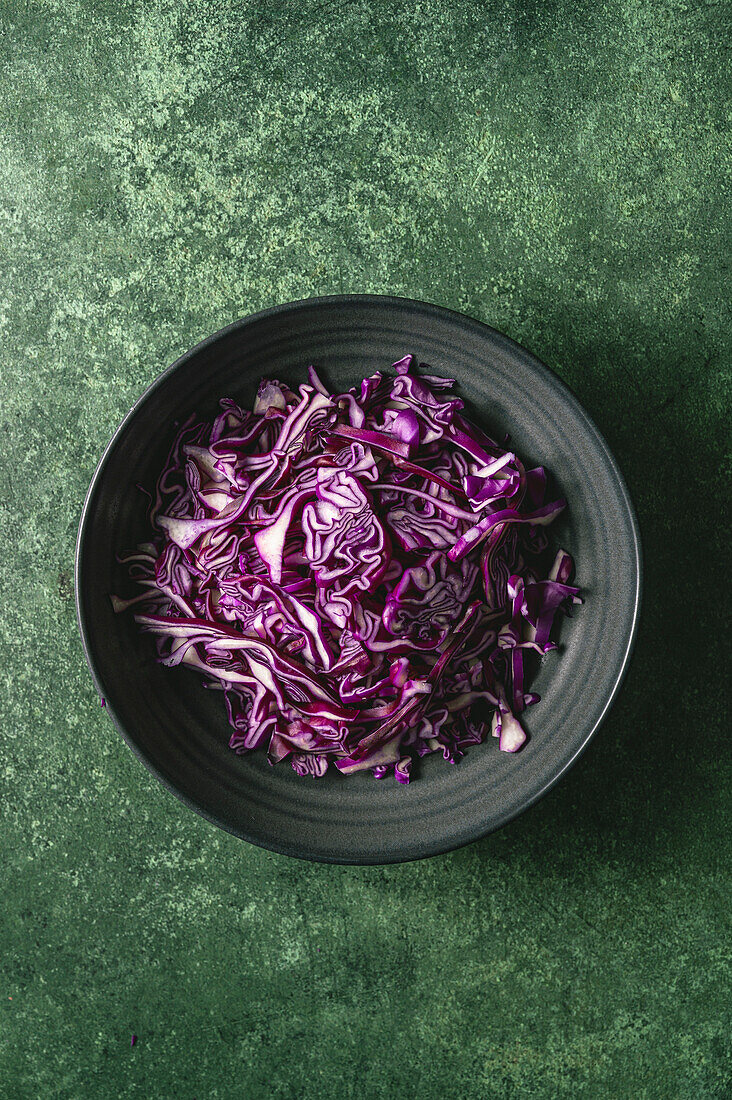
[{"x": 362, "y": 574}]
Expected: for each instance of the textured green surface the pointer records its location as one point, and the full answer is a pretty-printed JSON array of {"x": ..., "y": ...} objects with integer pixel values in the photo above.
[{"x": 557, "y": 169}]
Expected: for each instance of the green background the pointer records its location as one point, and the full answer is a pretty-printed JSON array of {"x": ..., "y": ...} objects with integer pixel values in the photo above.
[{"x": 559, "y": 170}]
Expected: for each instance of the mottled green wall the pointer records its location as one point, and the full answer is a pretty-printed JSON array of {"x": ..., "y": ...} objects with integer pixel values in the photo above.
[{"x": 560, "y": 170}]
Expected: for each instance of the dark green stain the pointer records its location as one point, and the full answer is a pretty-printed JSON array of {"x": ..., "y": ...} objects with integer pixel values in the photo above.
[{"x": 558, "y": 170}]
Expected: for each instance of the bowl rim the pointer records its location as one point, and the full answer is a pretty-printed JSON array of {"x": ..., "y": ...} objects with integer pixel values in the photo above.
[{"x": 438, "y": 312}]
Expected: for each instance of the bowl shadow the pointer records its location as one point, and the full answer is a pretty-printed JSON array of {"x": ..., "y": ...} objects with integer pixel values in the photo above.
[{"x": 643, "y": 784}]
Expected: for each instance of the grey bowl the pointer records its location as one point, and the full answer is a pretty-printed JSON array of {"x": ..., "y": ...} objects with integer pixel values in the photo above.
[{"x": 180, "y": 731}]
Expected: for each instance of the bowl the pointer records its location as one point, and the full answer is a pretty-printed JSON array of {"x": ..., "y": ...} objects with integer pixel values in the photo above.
[{"x": 180, "y": 731}]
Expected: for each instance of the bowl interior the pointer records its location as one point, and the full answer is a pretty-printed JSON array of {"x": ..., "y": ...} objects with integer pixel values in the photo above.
[{"x": 181, "y": 731}]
